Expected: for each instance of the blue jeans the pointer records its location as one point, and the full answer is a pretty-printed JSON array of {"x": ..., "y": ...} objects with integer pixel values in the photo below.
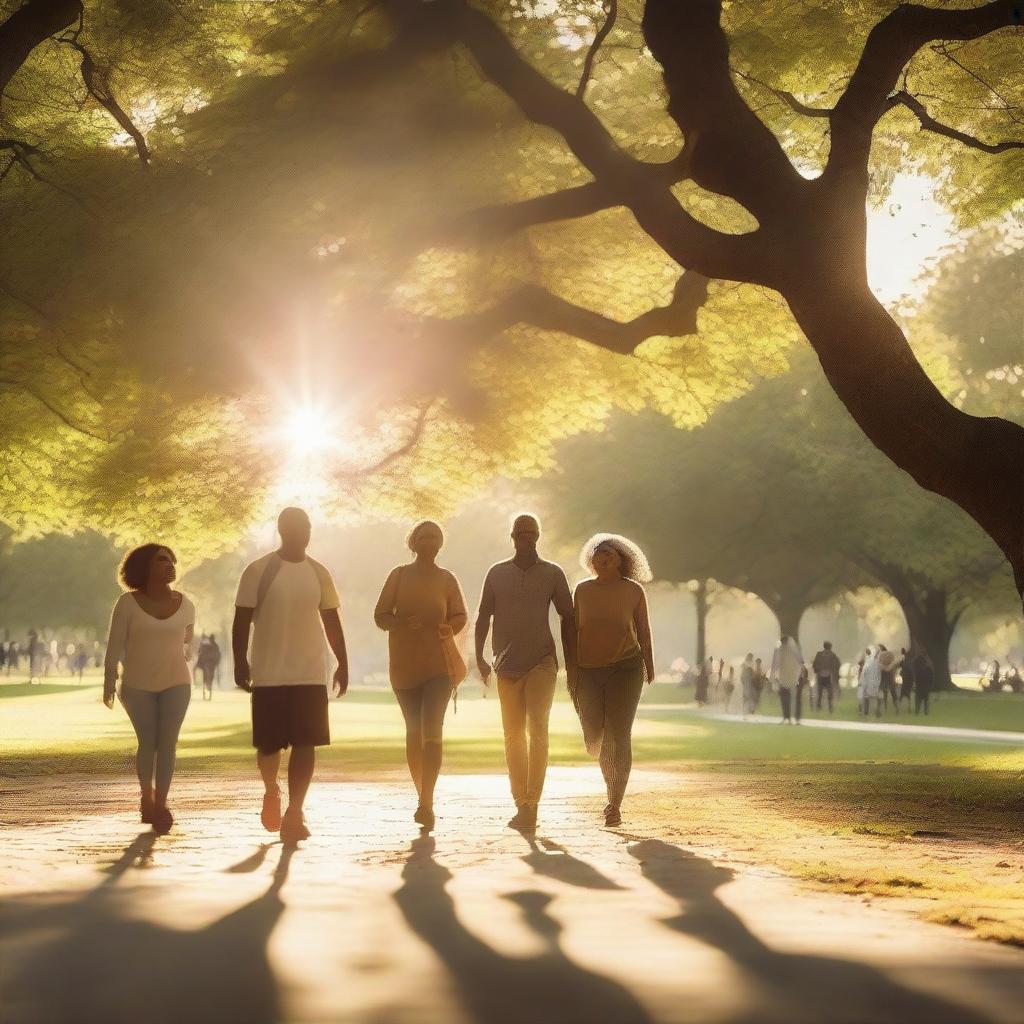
[{"x": 156, "y": 717}]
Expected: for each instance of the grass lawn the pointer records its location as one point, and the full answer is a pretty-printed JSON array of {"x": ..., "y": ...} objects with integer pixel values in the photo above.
[
  {"x": 963, "y": 709},
  {"x": 63, "y": 727}
]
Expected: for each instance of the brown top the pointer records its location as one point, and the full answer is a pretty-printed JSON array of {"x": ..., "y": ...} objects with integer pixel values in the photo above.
[
  {"x": 434, "y": 597},
  {"x": 607, "y": 615}
]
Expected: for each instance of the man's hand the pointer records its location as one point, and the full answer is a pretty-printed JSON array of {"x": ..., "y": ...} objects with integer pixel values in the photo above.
[
  {"x": 484, "y": 668},
  {"x": 341, "y": 681},
  {"x": 571, "y": 677},
  {"x": 242, "y": 680},
  {"x": 108, "y": 697},
  {"x": 444, "y": 631}
]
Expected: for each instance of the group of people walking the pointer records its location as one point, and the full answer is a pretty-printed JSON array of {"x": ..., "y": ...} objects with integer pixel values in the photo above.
[
  {"x": 791, "y": 677},
  {"x": 877, "y": 669},
  {"x": 287, "y": 605}
]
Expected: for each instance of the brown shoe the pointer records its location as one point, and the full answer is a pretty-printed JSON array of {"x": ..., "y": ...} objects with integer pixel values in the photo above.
[{"x": 146, "y": 811}]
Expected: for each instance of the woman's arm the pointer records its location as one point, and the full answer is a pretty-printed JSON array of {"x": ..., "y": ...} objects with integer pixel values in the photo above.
[
  {"x": 642, "y": 622},
  {"x": 384, "y": 614},
  {"x": 117, "y": 638},
  {"x": 456, "y": 616}
]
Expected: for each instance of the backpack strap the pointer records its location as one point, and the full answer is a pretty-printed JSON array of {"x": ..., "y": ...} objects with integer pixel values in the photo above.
[
  {"x": 273, "y": 567},
  {"x": 322, "y": 573}
]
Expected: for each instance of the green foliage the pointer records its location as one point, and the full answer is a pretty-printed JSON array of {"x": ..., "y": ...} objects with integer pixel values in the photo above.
[
  {"x": 58, "y": 582},
  {"x": 294, "y": 239}
]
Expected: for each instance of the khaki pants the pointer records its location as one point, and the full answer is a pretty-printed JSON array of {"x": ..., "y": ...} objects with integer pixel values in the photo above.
[{"x": 525, "y": 708}]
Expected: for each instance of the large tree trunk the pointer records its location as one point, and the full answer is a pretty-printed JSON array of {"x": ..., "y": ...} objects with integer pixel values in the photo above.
[
  {"x": 27, "y": 27},
  {"x": 701, "y": 601},
  {"x": 932, "y": 628},
  {"x": 930, "y": 621},
  {"x": 976, "y": 463},
  {"x": 789, "y": 614}
]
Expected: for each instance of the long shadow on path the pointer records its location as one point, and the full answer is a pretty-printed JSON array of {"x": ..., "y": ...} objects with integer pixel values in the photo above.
[
  {"x": 553, "y": 860},
  {"x": 499, "y": 989},
  {"x": 784, "y": 987},
  {"x": 90, "y": 959}
]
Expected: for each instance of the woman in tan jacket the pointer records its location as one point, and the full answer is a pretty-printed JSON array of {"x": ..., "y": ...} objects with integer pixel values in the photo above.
[{"x": 420, "y": 605}]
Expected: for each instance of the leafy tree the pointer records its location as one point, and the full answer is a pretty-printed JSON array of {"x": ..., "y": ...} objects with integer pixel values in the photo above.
[
  {"x": 464, "y": 210},
  {"x": 58, "y": 582},
  {"x": 779, "y": 494}
]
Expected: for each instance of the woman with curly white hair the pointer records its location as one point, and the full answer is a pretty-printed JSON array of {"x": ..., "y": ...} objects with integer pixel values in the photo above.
[{"x": 614, "y": 652}]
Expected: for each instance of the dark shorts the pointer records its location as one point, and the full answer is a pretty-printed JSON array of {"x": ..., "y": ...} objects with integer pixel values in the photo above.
[{"x": 289, "y": 716}]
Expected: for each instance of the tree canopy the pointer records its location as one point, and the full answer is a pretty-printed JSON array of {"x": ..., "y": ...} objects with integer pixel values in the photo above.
[
  {"x": 779, "y": 494},
  {"x": 469, "y": 230}
]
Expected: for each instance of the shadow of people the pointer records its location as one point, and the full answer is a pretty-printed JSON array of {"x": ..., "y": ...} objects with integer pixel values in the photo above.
[
  {"x": 255, "y": 860},
  {"x": 553, "y": 860},
  {"x": 499, "y": 989},
  {"x": 784, "y": 987},
  {"x": 95, "y": 958}
]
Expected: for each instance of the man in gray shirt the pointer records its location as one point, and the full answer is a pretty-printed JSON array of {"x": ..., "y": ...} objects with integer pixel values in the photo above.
[{"x": 518, "y": 595}]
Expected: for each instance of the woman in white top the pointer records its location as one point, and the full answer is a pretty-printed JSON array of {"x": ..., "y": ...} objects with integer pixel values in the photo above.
[{"x": 151, "y": 637}]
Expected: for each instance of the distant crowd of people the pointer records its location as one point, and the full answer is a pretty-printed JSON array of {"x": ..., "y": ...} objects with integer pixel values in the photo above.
[
  {"x": 882, "y": 677},
  {"x": 287, "y": 605},
  {"x": 42, "y": 655}
]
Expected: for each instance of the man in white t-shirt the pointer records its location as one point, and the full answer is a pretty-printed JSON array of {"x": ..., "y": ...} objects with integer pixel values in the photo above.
[{"x": 291, "y": 602}]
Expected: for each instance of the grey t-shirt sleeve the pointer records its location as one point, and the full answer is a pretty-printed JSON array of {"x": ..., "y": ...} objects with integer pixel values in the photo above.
[
  {"x": 486, "y": 607},
  {"x": 562, "y": 598}
]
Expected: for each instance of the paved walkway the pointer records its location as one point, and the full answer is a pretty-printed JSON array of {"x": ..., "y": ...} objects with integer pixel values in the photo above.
[
  {"x": 935, "y": 732},
  {"x": 373, "y": 922}
]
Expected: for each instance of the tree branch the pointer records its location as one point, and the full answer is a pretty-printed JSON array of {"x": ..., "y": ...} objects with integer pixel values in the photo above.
[
  {"x": 734, "y": 153},
  {"x": 20, "y": 157},
  {"x": 533, "y": 305},
  {"x": 415, "y": 436},
  {"x": 928, "y": 123},
  {"x": 611, "y": 13},
  {"x": 890, "y": 46},
  {"x": 97, "y": 82},
  {"x": 26, "y": 389},
  {"x": 797, "y": 106},
  {"x": 490, "y": 223},
  {"x": 30, "y": 25},
  {"x": 691, "y": 244}
]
